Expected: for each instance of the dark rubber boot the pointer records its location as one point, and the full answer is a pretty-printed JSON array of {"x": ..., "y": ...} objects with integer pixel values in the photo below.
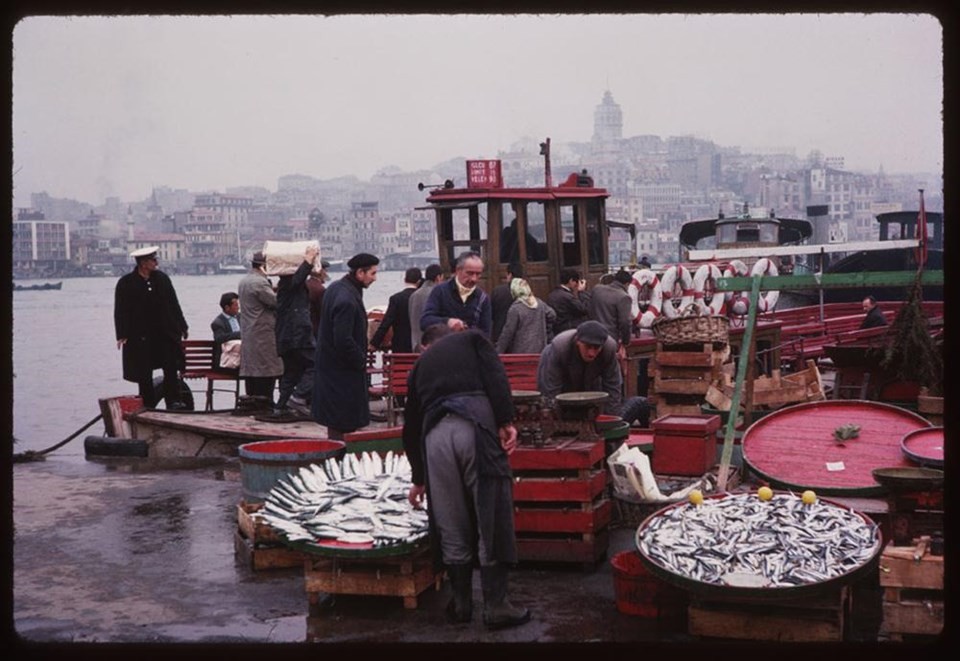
[
  {"x": 498, "y": 612},
  {"x": 460, "y": 608}
]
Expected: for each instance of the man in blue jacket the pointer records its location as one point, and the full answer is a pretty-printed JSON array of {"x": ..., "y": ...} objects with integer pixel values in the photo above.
[{"x": 460, "y": 303}]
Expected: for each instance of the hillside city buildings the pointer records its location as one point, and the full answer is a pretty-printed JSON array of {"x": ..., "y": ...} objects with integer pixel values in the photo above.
[{"x": 655, "y": 183}]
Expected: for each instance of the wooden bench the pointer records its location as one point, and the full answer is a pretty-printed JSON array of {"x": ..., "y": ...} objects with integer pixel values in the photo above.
[
  {"x": 393, "y": 385},
  {"x": 198, "y": 356},
  {"x": 521, "y": 369}
]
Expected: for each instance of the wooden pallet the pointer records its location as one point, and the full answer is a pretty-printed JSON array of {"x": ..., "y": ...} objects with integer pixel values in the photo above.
[
  {"x": 811, "y": 619},
  {"x": 913, "y": 590},
  {"x": 256, "y": 544},
  {"x": 405, "y": 576}
]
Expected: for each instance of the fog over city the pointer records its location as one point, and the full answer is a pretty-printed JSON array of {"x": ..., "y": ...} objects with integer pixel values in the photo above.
[{"x": 114, "y": 106}]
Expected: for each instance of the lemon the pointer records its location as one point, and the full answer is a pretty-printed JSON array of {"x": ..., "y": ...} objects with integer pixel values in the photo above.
[
  {"x": 764, "y": 493},
  {"x": 808, "y": 497},
  {"x": 696, "y": 497}
]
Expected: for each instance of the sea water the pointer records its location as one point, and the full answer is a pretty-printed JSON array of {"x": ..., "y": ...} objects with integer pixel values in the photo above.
[{"x": 65, "y": 355}]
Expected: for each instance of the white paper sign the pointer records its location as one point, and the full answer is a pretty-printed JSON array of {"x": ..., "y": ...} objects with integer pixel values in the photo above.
[{"x": 834, "y": 466}]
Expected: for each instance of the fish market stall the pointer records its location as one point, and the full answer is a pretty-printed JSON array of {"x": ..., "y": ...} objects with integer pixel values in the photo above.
[
  {"x": 352, "y": 520},
  {"x": 770, "y": 566}
]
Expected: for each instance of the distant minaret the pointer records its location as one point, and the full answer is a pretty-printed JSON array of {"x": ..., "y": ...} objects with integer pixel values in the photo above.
[
  {"x": 130, "y": 224},
  {"x": 607, "y": 120}
]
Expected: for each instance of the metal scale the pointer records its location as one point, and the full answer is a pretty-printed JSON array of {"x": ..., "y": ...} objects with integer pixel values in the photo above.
[
  {"x": 914, "y": 501},
  {"x": 574, "y": 417}
]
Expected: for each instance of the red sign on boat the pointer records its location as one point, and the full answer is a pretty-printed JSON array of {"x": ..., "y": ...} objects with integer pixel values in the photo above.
[{"x": 484, "y": 174}]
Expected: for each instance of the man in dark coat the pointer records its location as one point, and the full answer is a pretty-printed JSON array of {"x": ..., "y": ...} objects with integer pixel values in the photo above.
[
  {"x": 585, "y": 360},
  {"x": 874, "y": 316},
  {"x": 610, "y": 305},
  {"x": 397, "y": 315},
  {"x": 567, "y": 302},
  {"x": 501, "y": 299},
  {"x": 149, "y": 326},
  {"x": 225, "y": 327},
  {"x": 295, "y": 341},
  {"x": 457, "y": 432},
  {"x": 460, "y": 303},
  {"x": 340, "y": 376},
  {"x": 317, "y": 285}
]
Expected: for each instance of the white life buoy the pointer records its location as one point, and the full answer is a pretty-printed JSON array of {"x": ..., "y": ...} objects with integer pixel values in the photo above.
[
  {"x": 646, "y": 297},
  {"x": 712, "y": 303},
  {"x": 737, "y": 303},
  {"x": 668, "y": 285},
  {"x": 768, "y": 299}
]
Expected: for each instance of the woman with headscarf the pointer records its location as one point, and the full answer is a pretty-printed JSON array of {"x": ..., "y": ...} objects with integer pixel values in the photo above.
[{"x": 529, "y": 321}]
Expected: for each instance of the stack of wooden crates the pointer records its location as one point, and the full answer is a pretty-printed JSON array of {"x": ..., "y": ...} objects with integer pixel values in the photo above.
[
  {"x": 561, "y": 511},
  {"x": 683, "y": 373},
  {"x": 912, "y": 579}
]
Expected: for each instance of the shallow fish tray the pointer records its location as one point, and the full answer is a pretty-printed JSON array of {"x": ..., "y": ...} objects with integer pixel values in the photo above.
[
  {"x": 820, "y": 618},
  {"x": 405, "y": 576}
]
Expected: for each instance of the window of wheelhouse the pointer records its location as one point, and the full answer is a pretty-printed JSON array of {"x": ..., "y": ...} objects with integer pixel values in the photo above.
[
  {"x": 595, "y": 239},
  {"x": 463, "y": 229},
  {"x": 569, "y": 236},
  {"x": 522, "y": 217}
]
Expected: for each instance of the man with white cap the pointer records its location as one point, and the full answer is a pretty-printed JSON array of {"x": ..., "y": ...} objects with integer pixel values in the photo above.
[{"x": 149, "y": 326}]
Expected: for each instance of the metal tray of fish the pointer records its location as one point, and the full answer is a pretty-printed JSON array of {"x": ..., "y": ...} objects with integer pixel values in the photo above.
[
  {"x": 354, "y": 507},
  {"x": 736, "y": 545}
]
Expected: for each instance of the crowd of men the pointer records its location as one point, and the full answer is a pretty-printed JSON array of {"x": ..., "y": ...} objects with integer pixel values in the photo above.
[{"x": 311, "y": 339}]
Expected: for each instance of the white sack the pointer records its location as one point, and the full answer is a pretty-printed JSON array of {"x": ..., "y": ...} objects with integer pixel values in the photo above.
[{"x": 285, "y": 257}]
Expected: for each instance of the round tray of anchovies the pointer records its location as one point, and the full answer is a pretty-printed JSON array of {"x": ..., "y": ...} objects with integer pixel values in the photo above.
[
  {"x": 354, "y": 507},
  {"x": 737, "y": 545}
]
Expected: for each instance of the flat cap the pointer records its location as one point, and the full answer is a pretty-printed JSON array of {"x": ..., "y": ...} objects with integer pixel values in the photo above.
[
  {"x": 362, "y": 260},
  {"x": 259, "y": 258},
  {"x": 592, "y": 332},
  {"x": 145, "y": 252}
]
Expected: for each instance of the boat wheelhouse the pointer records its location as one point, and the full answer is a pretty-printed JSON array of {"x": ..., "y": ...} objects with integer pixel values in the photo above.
[{"x": 545, "y": 229}]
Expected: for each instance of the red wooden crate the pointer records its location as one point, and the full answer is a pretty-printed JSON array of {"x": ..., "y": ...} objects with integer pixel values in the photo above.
[
  {"x": 575, "y": 489},
  {"x": 684, "y": 444},
  {"x": 558, "y": 455},
  {"x": 592, "y": 519}
]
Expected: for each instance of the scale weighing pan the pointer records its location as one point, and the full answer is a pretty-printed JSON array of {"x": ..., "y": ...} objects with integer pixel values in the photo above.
[
  {"x": 924, "y": 446},
  {"x": 581, "y": 399},
  {"x": 905, "y": 479}
]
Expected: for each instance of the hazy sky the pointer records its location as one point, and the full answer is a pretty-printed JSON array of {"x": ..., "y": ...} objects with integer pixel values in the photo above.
[{"x": 113, "y": 106}]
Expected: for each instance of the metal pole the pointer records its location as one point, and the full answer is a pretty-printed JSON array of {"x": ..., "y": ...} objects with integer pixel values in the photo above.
[{"x": 820, "y": 273}]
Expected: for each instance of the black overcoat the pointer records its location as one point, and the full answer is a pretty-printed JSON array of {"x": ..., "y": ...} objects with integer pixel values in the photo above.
[
  {"x": 293, "y": 327},
  {"x": 340, "y": 368},
  {"x": 147, "y": 313}
]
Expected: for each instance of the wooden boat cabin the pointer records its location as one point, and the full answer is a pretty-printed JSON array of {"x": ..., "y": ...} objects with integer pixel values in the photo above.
[
  {"x": 744, "y": 231},
  {"x": 544, "y": 229}
]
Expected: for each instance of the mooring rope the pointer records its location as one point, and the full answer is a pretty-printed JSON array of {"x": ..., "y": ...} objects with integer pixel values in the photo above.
[{"x": 34, "y": 455}]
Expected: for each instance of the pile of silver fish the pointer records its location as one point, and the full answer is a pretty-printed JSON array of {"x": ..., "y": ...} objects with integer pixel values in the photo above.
[
  {"x": 361, "y": 499},
  {"x": 777, "y": 543}
]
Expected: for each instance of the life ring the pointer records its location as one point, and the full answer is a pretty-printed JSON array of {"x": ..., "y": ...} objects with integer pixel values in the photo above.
[
  {"x": 737, "y": 303},
  {"x": 668, "y": 283},
  {"x": 646, "y": 297},
  {"x": 707, "y": 273},
  {"x": 768, "y": 299}
]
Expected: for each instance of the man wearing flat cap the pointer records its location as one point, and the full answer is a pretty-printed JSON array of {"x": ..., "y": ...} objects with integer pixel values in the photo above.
[
  {"x": 260, "y": 364},
  {"x": 584, "y": 359},
  {"x": 149, "y": 326},
  {"x": 340, "y": 369}
]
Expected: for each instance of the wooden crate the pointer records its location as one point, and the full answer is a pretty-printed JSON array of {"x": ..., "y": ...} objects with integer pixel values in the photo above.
[
  {"x": 811, "y": 619},
  {"x": 258, "y": 546},
  {"x": 403, "y": 576},
  {"x": 913, "y": 590},
  {"x": 561, "y": 513}
]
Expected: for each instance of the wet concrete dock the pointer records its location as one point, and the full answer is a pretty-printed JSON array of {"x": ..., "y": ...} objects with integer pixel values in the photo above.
[{"x": 120, "y": 551}]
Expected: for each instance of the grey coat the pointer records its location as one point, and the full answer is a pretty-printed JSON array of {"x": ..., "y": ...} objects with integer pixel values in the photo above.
[
  {"x": 562, "y": 370},
  {"x": 258, "y": 320},
  {"x": 526, "y": 330},
  {"x": 610, "y": 305},
  {"x": 417, "y": 302}
]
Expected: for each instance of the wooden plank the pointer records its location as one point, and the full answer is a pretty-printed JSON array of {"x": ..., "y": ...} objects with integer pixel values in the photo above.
[
  {"x": 556, "y": 454},
  {"x": 785, "y": 395},
  {"x": 670, "y": 372},
  {"x": 560, "y": 489},
  {"x": 685, "y": 358},
  {"x": 913, "y": 617},
  {"x": 899, "y": 569},
  {"x": 259, "y": 558},
  {"x": 372, "y": 581},
  {"x": 683, "y": 386},
  {"x": 538, "y": 519},
  {"x": 584, "y": 549}
]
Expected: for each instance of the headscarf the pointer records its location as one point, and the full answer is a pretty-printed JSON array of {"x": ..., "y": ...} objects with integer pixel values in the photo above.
[{"x": 520, "y": 290}]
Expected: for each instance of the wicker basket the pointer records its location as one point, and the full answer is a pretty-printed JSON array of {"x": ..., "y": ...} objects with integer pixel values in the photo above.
[{"x": 692, "y": 328}]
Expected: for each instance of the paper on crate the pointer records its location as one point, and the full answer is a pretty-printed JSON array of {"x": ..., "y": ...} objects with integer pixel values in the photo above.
[
  {"x": 634, "y": 479},
  {"x": 285, "y": 257}
]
